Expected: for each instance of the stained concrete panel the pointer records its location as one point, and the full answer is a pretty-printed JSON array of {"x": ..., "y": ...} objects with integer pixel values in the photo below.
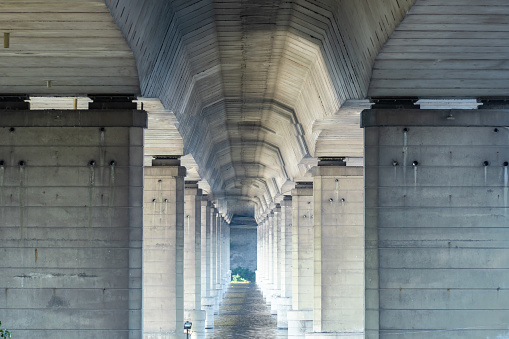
[
  {"x": 70, "y": 230},
  {"x": 436, "y": 258}
]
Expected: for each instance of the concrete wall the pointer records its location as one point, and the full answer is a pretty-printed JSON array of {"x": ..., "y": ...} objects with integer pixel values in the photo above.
[
  {"x": 437, "y": 232},
  {"x": 71, "y": 232},
  {"x": 243, "y": 247}
]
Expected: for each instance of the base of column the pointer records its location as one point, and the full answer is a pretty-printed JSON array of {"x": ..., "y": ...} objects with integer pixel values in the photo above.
[
  {"x": 218, "y": 300},
  {"x": 166, "y": 335},
  {"x": 276, "y": 294},
  {"x": 260, "y": 284},
  {"x": 207, "y": 304},
  {"x": 197, "y": 317},
  {"x": 267, "y": 293},
  {"x": 283, "y": 306},
  {"x": 336, "y": 335},
  {"x": 299, "y": 323}
]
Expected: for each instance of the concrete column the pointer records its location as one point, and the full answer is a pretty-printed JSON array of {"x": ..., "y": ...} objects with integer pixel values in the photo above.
[
  {"x": 269, "y": 259},
  {"x": 163, "y": 299},
  {"x": 219, "y": 262},
  {"x": 300, "y": 318},
  {"x": 265, "y": 272},
  {"x": 226, "y": 257},
  {"x": 192, "y": 259},
  {"x": 339, "y": 250},
  {"x": 213, "y": 259},
  {"x": 260, "y": 273},
  {"x": 228, "y": 253},
  {"x": 285, "y": 300},
  {"x": 71, "y": 217},
  {"x": 207, "y": 300},
  {"x": 276, "y": 274},
  {"x": 437, "y": 210},
  {"x": 259, "y": 260}
]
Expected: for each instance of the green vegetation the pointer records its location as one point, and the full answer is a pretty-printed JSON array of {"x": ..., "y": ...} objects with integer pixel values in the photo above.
[
  {"x": 241, "y": 274},
  {"x": 4, "y": 333}
]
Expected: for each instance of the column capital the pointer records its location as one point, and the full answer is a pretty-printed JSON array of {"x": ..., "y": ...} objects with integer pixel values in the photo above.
[
  {"x": 303, "y": 188},
  {"x": 344, "y": 171}
]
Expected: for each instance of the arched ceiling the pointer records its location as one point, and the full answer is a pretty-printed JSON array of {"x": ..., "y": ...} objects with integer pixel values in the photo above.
[
  {"x": 247, "y": 80},
  {"x": 258, "y": 88}
]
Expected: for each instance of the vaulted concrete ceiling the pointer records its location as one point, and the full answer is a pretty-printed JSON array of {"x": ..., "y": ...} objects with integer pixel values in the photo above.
[
  {"x": 258, "y": 88},
  {"x": 247, "y": 80}
]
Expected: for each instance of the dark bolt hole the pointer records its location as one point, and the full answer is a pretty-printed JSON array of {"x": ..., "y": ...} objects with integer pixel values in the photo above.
[
  {"x": 12, "y": 129},
  {"x": 153, "y": 200},
  {"x": 506, "y": 163},
  {"x": 113, "y": 163},
  {"x": 92, "y": 163},
  {"x": 415, "y": 163},
  {"x": 101, "y": 129},
  {"x": 486, "y": 163},
  {"x": 495, "y": 130},
  {"x": 22, "y": 163},
  {"x": 405, "y": 129},
  {"x": 394, "y": 163},
  {"x": 1, "y": 162}
]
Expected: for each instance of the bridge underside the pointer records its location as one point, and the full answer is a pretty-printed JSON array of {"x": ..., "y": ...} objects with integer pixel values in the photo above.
[{"x": 134, "y": 133}]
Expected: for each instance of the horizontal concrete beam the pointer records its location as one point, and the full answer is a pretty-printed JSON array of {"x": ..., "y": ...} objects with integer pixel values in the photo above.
[
  {"x": 78, "y": 118},
  {"x": 435, "y": 117}
]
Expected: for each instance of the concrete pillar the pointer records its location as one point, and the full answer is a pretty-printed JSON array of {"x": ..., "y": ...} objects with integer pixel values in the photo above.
[
  {"x": 285, "y": 300},
  {"x": 219, "y": 260},
  {"x": 300, "y": 318},
  {"x": 276, "y": 274},
  {"x": 259, "y": 260},
  {"x": 192, "y": 259},
  {"x": 339, "y": 250},
  {"x": 270, "y": 259},
  {"x": 260, "y": 264},
  {"x": 437, "y": 207},
  {"x": 163, "y": 299},
  {"x": 226, "y": 257},
  {"x": 265, "y": 271},
  {"x": 228, "y": 253},
  {"x": 213, "y": 259},
  {"x": 207, "y": 300},
  {"x": 71, "y": 217}
]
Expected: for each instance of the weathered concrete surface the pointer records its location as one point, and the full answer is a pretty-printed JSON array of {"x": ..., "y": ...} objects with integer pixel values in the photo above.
[
  {"x": 163, "y": 297},
  {"x": 276, "y": 259},
  {"x": 192, "y": 259},
  {"x": 71, "y": 194},
  {"x": 436, "y": 240},
  {"x": 207, "y": 301},
  {"x": 300, "y": 318},
  {"x": 338, "y": 251},
  {"x": 285, "y": 300}
]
